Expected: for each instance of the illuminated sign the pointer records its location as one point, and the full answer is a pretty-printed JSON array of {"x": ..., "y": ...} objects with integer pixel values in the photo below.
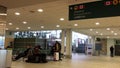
[{"x": 98, "y": 9}]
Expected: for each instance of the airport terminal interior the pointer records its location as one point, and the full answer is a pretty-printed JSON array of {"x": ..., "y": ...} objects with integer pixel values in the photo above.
[{"x": 59, "y": 33}]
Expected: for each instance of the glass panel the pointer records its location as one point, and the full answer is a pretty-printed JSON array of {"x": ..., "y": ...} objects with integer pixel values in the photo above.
[
  {"x": 2, "y": 35},
  {"x": 49, "y": 34}
]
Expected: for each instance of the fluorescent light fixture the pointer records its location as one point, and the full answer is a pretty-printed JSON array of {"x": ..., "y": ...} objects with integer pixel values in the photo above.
[
  {"x": 57, "y": 25},
  {"x": 6, "y": 28},
  {"x": 97, "y": 32},
  {"x": 62, "y": 19},
  {"x": 101, "y": 34},
  {"x": 17, "y": 28},
  {"x": 24, "y": 22},
  {"x": 115, "y": 34},
  {"x": 42, "y": 26},
  {"x": 10, "y": 23},
  {"x": 2, "y": 24},
  {"x": 40, "y": 10},
  {"x": 3, "y": 14},
  {"x": 97, "y": 23},
  {"x": 29, "y": 27},
  {"x": 108, "y": 37},
  {"x": 91, "y": 29},
  {"x": 112, "y": 31},
  {"x": 108, "y": 29},
  {"x": 17, "y": 13},
  {"x": 75, "y": 24}
]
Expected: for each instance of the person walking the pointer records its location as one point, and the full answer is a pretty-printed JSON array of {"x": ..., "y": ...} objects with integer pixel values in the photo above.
[{"x": 112, "y": 51}]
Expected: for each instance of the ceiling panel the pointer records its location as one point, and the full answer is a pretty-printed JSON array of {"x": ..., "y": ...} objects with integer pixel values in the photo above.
[
  {"x": 53, "y": 10},
  {"x": 21, "y": 3}
]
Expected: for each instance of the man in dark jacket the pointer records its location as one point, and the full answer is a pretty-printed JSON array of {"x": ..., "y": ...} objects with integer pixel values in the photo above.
[{"x": 111, "y": 51}]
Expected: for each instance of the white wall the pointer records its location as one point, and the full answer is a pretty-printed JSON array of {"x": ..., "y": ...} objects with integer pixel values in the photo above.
[{"x": 110, "y": 42}]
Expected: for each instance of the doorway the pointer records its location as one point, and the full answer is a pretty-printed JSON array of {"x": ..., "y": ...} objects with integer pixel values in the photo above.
[{"x": 80, "y": 43}]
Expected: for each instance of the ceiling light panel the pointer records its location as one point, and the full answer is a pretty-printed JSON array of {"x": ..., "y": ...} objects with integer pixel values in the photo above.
[
  {"x": 108, "y": 37},
  {"x": 17, "y": 13},
  {"x": 29, "y": 27},
  {"x": 6, "y": 29},
  {"x": 91, "y": 29},
  {"x": 17, "y": 28},
  {"x": 24, "y": 22},
  {"x": 62, "y": 19},
  {"x": 97, "y": 23},
  {"x": 42, "y": 26},
  {"x": 101, "y": 34},
  {"x": 10, "y": 23},
  {"x": 40, "y": 10},
  {"x": 75, "y": 24},
  {"x": 115, "y": 34},
  {"x": 112, "y": 31},
  {"x": 96, "y": 32},
  {"x": 57, "y": 25},
  {"x": 108, "y": 29},
  {"x": 3, "y": 14}
]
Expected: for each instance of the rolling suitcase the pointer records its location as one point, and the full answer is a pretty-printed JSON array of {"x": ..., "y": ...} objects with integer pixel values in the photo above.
[{"x": 56, "y": 56}]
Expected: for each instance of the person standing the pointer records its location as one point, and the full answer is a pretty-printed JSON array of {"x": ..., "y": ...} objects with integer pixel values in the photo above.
[
  {"x": 111, "y": 51},
  {"x": 57, "y": 48}
]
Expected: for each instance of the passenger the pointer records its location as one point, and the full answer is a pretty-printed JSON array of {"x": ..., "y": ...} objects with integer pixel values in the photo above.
[
  {"x": 37, "y": 56},
  {"x": 36, "y": 50},
  {"x": 25, "y": 53},
  {"x": 38, "y": 46},
  {"x": 57, "y": 48},
  {"x": 111, "y": 51},
  {"x": 53, "y": 50},
  {"x": 10, "y": 46}
]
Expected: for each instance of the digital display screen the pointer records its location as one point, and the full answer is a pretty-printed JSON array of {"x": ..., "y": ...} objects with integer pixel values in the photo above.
[{"x": 98, "y": 9}]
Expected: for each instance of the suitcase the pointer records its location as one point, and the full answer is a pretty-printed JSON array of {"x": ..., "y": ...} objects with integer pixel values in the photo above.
[{"x": 56, "y": 56}]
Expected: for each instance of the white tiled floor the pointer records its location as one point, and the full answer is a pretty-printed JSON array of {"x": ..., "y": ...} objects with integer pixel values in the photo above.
[{"x": 78, "y": 61}]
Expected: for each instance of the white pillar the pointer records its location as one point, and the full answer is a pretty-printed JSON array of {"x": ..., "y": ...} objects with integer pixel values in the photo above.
[
  {"x": 68, "y": 43},
  {"x": 110, "y": 42},
  {"x": 93, "y": 44},
  {"x": 63, "y": 41}
]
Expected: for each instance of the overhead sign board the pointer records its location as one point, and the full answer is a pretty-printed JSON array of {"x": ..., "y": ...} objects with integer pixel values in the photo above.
[{"x": 98, "y": 9}]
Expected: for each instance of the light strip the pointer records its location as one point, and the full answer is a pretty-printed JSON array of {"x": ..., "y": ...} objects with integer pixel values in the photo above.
[{"x": 3, "y": 14}]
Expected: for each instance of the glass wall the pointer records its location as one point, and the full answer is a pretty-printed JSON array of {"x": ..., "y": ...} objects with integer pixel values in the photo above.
[
  {"x": 45, "y": 39},
  {"x": 2, "y": 35},
  {"x": 2, "y": 38},
  {"x": 48, "y": 34}
]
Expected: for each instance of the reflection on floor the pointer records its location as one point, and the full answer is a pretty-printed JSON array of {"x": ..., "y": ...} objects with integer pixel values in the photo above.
[{"x": 78, "y": 61}]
